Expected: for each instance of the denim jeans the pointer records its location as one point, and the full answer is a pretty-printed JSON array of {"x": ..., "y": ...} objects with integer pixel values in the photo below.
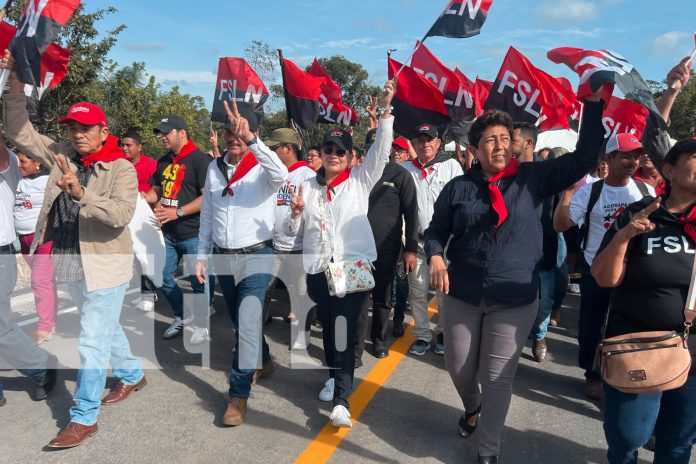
[
  {"x": 630, "y": 419},
  {"x": 177, "y": 249},
  {"x": 244, "y": 279},
  {"x": 102, "y": 342},
  {"x": 399, "y": 300},
  {"x": 547, "y": 284}
]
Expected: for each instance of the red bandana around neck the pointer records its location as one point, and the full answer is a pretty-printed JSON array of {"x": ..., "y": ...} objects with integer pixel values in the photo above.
[
  {"x": 187, "y": 149},
  {"x": 110, "y": 151},
  {"x": 688, "y": 222},
  {"x": 244, "y": 166},
  {"x": 336, "y": 181},
  {"x": 496, "y": 196},
  {"x": 297, "y": 166}
]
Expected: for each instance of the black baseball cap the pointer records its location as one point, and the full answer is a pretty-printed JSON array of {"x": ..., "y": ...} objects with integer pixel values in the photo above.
[
  {"x": 340, "y": 137},
  {"x": 682, "y": 147},
  {"x": 169, "y": 123},
  {"x": 370, "y": 138},
  {"x": 425, "y": 129}
]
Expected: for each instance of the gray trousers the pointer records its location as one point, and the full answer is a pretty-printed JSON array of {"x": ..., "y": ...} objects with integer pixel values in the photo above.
[{"x": 483, "y": 344}]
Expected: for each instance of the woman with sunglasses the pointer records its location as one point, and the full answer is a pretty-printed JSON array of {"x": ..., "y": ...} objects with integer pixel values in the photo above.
[{"x": 330, "y": 212}]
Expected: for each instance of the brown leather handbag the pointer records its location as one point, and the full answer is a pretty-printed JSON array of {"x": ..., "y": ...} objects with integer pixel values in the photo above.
[{"x": 647, "y": 362}]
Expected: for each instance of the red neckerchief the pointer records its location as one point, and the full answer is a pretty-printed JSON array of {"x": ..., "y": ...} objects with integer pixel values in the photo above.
[
  {"x": 496, "y": 196},
  {"x": 688, "y": 222},
  {"x": 298, "y": 165},
  {"x": 418, "y": 164},
  {"x": 110, "y": 151},
  {"x": 439, "y": 158},
  {"x": 186, "y": 150},
  {"x": 244, "y": 166},
  {"x": 336, "y": 181}
]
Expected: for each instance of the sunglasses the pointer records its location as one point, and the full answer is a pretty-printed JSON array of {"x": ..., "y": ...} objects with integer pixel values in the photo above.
[{"x": 339, "y": 151}]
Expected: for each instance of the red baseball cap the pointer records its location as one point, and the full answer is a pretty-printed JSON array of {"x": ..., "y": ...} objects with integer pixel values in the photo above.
[
  {"x": 401, "y": 142},
  {"x": 85, "y": 113},
  {"x": 623, "y": 143}
]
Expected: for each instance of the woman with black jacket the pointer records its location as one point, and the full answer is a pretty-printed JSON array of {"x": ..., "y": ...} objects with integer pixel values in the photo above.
[{"x": 489, "y": 219}]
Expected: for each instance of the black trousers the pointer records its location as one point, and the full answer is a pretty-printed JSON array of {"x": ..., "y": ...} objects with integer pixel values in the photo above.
[
  {"x": 339, "y": 317},
  {"x": 384, "y": 272},
  {"x": 594, "y": 303}
]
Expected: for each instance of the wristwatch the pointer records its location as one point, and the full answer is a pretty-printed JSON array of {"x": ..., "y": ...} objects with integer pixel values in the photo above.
[{"x": 180, "y": 212}]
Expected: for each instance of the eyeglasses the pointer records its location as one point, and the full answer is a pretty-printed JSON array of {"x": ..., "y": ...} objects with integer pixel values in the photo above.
[{"x": 329, "y": 150}]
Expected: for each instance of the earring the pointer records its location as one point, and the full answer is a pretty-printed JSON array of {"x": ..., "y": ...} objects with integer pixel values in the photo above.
[{"x": 38, "y": 168}]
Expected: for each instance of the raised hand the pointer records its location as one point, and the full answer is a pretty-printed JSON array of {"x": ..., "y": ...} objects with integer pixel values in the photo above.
[
  {"x": 239, "y": 124},
  {"x": 640, "y": 222},
  {"x": 371, "y": 108},
  {"x": 296, "y": 201},
  {"x": 387, "y": 94},
  {"x": 678, "y": 76},
  {"x": 68, "y": 183}
]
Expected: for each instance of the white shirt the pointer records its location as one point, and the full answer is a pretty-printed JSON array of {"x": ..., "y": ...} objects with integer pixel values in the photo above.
[
  {"x": 429, "y": 189},
  {"x": 28, "y": 202},
  {"x": 612, "y": 201},
  {"x": 9, "y": 179},
  {"x": 244, "y": 218},
  {"x": 348, "y": 232},
  {"x": 282, "y": 241}
]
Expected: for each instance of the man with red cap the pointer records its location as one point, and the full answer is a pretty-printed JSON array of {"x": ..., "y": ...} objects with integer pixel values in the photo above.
[
  {"x": 89, "y": 201},
  {"x": 594, "y": 207}
]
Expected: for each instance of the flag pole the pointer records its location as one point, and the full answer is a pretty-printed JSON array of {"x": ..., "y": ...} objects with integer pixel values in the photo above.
[
  {"x": 419, "y": 42},
  {"x": 5, "y": 75}
]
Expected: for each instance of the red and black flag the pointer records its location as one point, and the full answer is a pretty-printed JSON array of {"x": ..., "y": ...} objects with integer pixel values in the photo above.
[
  {"x": 417, "y": 101},
  {"x": 302, "y": 93},
  {"x": 621, "y": 116},
  {"x": 598, "y": 68},
  {"x": 333, "y": 111},
  {"x": 529, "y": 94},
  {"x": 37, "y": 28},
  {"x": 461, "y": 18},
  {"x": 237, "y": 80},
  {"x": 482, "y": 88}
]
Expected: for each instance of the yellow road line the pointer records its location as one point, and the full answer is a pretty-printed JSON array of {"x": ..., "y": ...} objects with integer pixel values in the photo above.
[{"x": 330, "y": 437}]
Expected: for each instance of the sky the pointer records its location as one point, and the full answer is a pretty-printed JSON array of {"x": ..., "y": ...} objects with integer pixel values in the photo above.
[{"x": 180, "y": 41}]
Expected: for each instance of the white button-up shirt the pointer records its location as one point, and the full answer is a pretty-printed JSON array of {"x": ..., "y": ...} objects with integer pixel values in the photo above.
[
  {"x": 348, "y": 232},
  {"x": 429, "y": 188},
  {"x": 244, "y": 218}
]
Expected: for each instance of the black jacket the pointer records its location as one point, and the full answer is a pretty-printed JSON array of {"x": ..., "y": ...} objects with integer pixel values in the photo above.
[
  {"x": 502, "y": 266},
  {"x": 394, "y": 197}
]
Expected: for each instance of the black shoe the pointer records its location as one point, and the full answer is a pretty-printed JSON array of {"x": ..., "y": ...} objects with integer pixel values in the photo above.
[
  {"x": 3, "y": 402},
  {"x": 358, "y": 362},
  {"x": 487, "y": 460},
  {"x": 398, "y": 330},
  {"x": 379, "y": 349},
  {"x": 43, "y": 388}
]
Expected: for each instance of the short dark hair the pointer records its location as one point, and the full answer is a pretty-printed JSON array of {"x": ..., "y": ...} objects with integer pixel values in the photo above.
[
  {"x": 528, "y": 129},
  {"x": 132, "y": 134},
  {"x": 316, "y": 148},
  {"x": 486, "y": 120},
  {"x": 681, "y": 148}
]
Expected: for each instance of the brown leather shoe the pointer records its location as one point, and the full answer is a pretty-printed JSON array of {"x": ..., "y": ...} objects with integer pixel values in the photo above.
[
  {"x": 121, "y": 391},
  {"x": 236, "y": 412},
  {"x": 265, "y": 371},
  {"x": 593, "y": 389},
  {"x": 555, "y": 320},
  {"x": 72, "y": 435},
  {"x": 539, "y": 350}
]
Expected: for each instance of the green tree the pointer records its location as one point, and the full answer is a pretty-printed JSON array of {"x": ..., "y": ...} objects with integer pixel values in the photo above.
[{"x": 683, "y": 115}]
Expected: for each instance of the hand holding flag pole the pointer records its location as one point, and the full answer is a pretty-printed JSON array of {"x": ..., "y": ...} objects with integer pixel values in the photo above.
[{"x": 688, "y": 62}]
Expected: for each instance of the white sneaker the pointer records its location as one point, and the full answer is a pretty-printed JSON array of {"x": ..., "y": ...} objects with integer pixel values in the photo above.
[
  {"x": 340, "y": 417},
  {"x": 199, "y": 336},
  {"x": 302, "y": 341},
  {"x": 574, "y": 289},
  {"x": 176, "y": 327},
  {"x": 145, "y": 305},
  {"x": 326, "y": 393}
]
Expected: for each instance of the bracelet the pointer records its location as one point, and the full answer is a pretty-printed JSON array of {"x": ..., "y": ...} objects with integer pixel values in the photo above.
[{"x": 381, "y": 110}]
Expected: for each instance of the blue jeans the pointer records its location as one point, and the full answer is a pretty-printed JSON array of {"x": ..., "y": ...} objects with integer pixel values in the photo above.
[
  {"x": 177, "y": 249},
  {"x": 549, "y": 290},
  {"x": 630, "y": 419},
  {"x": 399, "y": 298},
  {"x": 102, "y": 342},
  {"x": 244, "y": 279}
]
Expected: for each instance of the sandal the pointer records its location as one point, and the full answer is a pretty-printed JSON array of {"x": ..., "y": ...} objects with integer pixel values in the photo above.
[{"x": 466, "y": 429}]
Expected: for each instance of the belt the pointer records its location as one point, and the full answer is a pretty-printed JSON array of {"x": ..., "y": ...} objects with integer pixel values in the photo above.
[
  {"x": 7, "y": 249},
  {"x": 245, "y": 250},
  {"x": 295, "y": 252}
]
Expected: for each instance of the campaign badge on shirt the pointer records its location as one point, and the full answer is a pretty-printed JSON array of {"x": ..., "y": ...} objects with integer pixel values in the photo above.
[{"x": 284, "y": 195}]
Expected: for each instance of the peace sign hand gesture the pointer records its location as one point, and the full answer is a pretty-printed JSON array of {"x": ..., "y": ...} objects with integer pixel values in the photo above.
[
  {"x": 68, "y": 183},
  {"x": 640, "y": 224},
  {"x": 296, "y": 202},
  {"x": 239, "y": 124}
]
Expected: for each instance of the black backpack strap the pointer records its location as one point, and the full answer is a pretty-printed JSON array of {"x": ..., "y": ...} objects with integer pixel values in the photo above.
[
  {"x": 592, "y": 201},
  {"x": 642, "y": 187}
]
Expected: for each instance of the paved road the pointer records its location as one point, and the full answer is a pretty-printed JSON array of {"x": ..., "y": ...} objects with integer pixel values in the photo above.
[{"x": 411, "y": 415}]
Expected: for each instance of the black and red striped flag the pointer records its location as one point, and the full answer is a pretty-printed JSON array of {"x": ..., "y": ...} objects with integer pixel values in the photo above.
[
  {"x": 302, "y": 93},
  {"x": 461, "y": 18},
  {"x": 237, "y": 80},
  {"x": 598, "y": 68},
  {"x": 333, "y": 111},
  {"x": 37, "y": 28},
  {"x": 482, "y": 88},
  {"x": 417, "y": 101}
]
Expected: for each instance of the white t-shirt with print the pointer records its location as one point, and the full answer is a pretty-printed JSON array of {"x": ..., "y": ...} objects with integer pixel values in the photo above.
[
  {"x": 612, "y": 201},
  {"x": 9, "y": 180}
]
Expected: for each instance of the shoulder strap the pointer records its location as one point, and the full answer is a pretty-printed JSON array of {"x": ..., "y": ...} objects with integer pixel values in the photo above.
[
  {"x": 689, "y": 311},
  {"x": 592, "y": 201},
  {"x": 642, "y": 187}
]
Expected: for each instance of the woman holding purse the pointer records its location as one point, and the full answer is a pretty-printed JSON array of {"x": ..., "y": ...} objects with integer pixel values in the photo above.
[{"x": 330, "y": 212}]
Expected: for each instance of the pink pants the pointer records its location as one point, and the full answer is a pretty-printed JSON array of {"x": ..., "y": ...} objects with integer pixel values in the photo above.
[{"x": 42, "y": 281}]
